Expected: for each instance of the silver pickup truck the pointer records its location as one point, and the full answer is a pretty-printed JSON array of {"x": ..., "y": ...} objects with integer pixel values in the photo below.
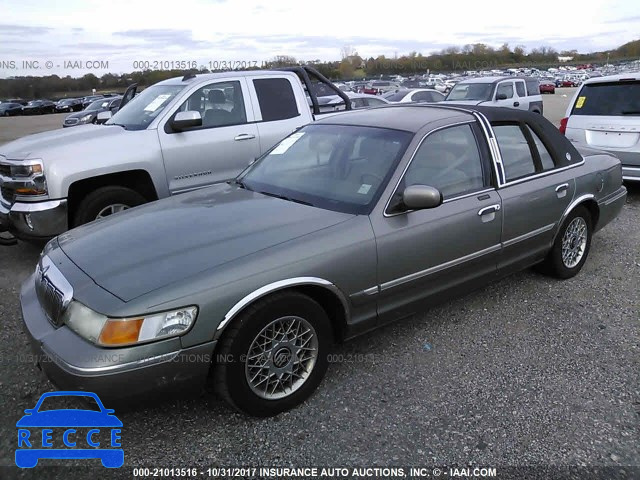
[{"x": 175, "y": 136}]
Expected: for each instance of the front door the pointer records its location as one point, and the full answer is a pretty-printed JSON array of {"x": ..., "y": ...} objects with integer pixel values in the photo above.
[
  {"x": 424, "y": 252},
  {"x": 218, "y": 150}
]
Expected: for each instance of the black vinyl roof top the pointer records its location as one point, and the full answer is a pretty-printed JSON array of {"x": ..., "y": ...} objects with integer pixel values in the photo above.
[{"x": 413, "y": 117}]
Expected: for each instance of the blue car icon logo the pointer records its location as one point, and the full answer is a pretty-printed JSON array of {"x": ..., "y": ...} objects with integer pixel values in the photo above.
[{"x": 69, "y": 433}]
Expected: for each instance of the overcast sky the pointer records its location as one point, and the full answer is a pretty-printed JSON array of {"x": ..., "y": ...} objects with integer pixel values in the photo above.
[{"x": 121, "y": 32}]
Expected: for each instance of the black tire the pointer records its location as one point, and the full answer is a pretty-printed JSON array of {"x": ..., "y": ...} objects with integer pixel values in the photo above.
[
  {"x": 228, "y": 372},
  {"x": 91, "y": 205},
  {"x": 554, "y": 264}
]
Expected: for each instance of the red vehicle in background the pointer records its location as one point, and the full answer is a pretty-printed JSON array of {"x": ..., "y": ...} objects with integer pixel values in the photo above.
[{"x": 547, "y": 86}]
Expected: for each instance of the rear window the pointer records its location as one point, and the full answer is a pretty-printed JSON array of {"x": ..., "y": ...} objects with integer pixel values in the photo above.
[
  {"x": 276, "y": 98},
  {"x": 612, "y": 98},
  {"x": 533, "y": 87},
  {"x": 396, "y": 97}
]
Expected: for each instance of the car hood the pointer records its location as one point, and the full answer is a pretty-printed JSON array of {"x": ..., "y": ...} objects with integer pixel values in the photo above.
[
  {"x": 463, "y": 102},
  {"x": 43, "y": 145},
  {"x": 154, "y": 245}
]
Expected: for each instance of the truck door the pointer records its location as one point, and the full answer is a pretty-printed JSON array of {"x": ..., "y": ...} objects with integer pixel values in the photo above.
[
  {"x": 219, "y": 149},
  {"x": 278, "y": 111},
  {"x": 521, "y": 95}
]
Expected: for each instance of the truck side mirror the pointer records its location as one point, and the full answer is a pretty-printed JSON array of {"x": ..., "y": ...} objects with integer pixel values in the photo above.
[
  {"x": 185, "y": 120},
  {"x": 103, "y": 117}
]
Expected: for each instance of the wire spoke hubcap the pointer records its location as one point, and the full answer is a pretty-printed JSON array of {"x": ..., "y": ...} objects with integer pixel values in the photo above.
[
  {"x": 574, "y": 242},
  {"x": 281, "y": 357},
  {"x": 111, "y": 209}
]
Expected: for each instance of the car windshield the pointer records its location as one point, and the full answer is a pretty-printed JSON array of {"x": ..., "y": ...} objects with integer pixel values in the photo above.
[
  {"x": 471, "y": 91},
  {"x": 35, "y": 102},
  {"x": 611, "y": 98},
  {"x": 336, "y": 167},
  {"x": 98, "y": 104},
  {"x": 145, "y": 107},
  {"x": 66, "y": 402}
]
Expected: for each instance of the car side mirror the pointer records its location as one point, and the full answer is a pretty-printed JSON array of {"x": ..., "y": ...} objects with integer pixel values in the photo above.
[
  {"x": 501, "y": 96},
  {"x": 29, "y": 411},
  {"x": 103, "y": 117},
  {"x": 185, "y": 120},
  {"x": 418, "y": 197}
]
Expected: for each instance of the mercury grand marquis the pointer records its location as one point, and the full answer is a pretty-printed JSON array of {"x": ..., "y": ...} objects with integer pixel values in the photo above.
[{"x": 354, "y": 221}]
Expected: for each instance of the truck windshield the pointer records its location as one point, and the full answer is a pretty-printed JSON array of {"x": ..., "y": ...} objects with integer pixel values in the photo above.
[
  {"x": 145, "y": 107},
  {"x": 337, "y": 167},
  {"x": 471, "y": 91}
]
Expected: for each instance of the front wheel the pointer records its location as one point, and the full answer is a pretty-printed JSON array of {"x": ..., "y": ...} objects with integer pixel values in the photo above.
[
  {"x": 274, "y": 355},
  {"x": 106, "y": 201},
  {"x": 571, "y": 247}
]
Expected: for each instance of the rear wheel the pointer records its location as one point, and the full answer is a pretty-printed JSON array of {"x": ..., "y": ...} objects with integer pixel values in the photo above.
[
  {"x": 571, "y": 247},
  {"x": 274, "y": 355},
  {"x": 106, "y": 201}
]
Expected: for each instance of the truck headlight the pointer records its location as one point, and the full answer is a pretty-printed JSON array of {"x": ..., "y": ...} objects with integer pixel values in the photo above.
[
  {"x": 27, "y": 178},
  {"x": 25, "y": 170},
  {"x": 120, "y": 332}
]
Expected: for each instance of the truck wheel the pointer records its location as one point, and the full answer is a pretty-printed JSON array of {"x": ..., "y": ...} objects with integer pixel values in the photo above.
[
  {"x": 106, "y": 201},
  {"x": 274, "y": 355}
]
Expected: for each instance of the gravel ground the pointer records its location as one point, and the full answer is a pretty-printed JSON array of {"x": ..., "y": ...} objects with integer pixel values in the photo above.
[{"x": 529, "y": 371}]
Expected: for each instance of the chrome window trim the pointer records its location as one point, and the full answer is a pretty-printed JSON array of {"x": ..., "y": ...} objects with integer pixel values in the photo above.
[
  {"x": 496, "y": 159},
  {"x": 404, "y": 171},
  {"x": 528, "y": 235},
  {"x": 438, "y": 268},
  {"x": 279, "y": 285},
  {"x": 541, "y": 174}
]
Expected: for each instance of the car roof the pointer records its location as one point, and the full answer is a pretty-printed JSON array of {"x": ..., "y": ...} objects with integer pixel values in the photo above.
[
  {"x": 398, "y": 117},
  {"x": 614, "y": 78},
  {"x": 495, "y": 79},
  {"x": 206, "y": 77}
]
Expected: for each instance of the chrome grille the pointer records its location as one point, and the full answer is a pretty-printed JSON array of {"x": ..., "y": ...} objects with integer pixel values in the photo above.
[{"x": 53, "y": 291}]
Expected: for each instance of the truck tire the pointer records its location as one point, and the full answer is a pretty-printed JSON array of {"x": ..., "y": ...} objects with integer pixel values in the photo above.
[{"x": 106, "y": 201}]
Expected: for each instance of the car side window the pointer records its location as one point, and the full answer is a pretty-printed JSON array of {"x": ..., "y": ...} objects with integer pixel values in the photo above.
[
  {"x": 545, "y": 157},
  {"x": 506, "y": 89},
  {"x": 515, "y": 151},
  {"x": 421, "y": 97},
  {"x": 220, "y": 104},
  {"x": 374, "y": 102},
  {"x": 448, "y": 160},
  {"x": 276, "y": 99},
  {"x": 520, "y": 90}
]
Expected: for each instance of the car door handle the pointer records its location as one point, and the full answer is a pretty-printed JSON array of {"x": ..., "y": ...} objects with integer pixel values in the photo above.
[
  {"x": 489, "y": 209},
  {"x": 560, "y": 188},
  {"x": 244, "y": 136},
  {"x": 516, "y": 104}
]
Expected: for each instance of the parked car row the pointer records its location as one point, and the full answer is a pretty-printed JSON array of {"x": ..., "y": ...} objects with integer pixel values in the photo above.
[
  {"x": 14, "y": 107},
  {"x": 313, "y": 229}
]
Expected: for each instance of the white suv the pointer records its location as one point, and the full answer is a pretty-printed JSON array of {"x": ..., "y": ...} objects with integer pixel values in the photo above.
[{"x": 605, "y": 114}]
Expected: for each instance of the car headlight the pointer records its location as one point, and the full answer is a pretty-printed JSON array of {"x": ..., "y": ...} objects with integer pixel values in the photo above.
[
  {"x": 120, "y": 332},
  {"x": 85, "y": 119}
]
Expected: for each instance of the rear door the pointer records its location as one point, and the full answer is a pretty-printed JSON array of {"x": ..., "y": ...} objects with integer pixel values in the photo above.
[
  {"x": 606, "y": 115},
  {"x": 534, "y": 195},
  {"x": 277, "y": 109},
  {"x": 508, "y": 89},
  {"x": 219, "y": 149},
  {"x": 522, "y": 101}
]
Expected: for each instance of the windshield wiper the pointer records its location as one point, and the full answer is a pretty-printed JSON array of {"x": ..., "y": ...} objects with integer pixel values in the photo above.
[
  {"x": 118, "y": 125},
  {"x": 282, "y": 197},
  {"x": 630, "y": 112}
]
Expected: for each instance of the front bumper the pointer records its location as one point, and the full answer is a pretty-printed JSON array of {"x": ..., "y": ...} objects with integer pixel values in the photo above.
[
  {"x": 115, "y": 374},
  {"x": 34, "y": 221}
]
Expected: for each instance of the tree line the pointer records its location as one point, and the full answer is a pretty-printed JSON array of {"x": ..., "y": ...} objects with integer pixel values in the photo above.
[{"x": 476, "y": 57}]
